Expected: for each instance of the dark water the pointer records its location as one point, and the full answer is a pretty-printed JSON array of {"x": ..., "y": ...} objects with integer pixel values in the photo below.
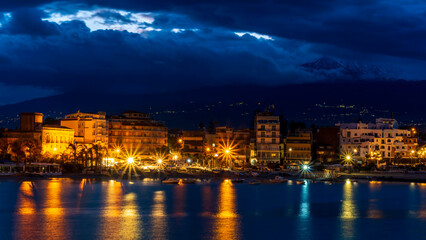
[{"x": 84, "y": 209}]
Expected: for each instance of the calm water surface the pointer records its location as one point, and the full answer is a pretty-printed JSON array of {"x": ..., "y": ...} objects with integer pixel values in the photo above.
[{"x": 88, "y": 209}]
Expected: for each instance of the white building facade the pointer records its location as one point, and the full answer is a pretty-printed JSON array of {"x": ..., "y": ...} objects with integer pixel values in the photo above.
[{"x": 361, "y": 139}]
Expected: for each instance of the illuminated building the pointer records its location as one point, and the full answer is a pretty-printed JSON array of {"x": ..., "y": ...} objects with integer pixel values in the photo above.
[
  {"x": 298, "y": 146},
  {"x": 267, "y": 135},
  {"x": 238, "y": 140},
  {"x": 31, "y": 121},
  {"x": 56, "y": 139},
  {"x": 134, "y": 131},
  {"x": 193, "y": 142},
  {"x": 360, "y": 139},
  {"x": 88, "y": 127},
  {"x": 50, "y": 139}
]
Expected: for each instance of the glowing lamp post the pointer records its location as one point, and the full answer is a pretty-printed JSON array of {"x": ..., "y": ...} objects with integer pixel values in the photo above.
[{"x": 305, "y": 169}]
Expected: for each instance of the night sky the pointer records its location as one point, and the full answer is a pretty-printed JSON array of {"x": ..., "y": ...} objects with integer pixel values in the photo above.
[{"x": 134, "y": 46}]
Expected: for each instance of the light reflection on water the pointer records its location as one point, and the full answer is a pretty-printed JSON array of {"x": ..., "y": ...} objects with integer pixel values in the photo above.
[
  {"x": 26, "y": 220},
  {"x": 159, "y": 216},
  {"x": 55, "y": 225},
  {"x": 147, "y": 210},
  {"x": 303, "y": 219},
  {"x": 120, "y": 216},
  {"x": 226, "y": 225},
  {"x": 348, "y": 211}
]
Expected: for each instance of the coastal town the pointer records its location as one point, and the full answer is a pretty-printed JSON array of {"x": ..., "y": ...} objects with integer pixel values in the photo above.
[{"x": 134, "y": 144}]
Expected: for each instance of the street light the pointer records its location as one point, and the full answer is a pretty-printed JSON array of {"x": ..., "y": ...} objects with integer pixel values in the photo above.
[
  {"x": 130, "y": 160},
  {"x": 159, "y": 161}
]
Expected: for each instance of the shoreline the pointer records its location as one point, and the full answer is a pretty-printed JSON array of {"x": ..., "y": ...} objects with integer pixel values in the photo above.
[{"x": 383, "y": 177}]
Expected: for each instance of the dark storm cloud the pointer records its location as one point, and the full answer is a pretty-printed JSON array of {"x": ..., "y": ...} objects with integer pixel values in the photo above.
[
  {"x": 28, "y": 21},
  {"x": 197, "y": 45},
  {"x": 80, "y": 60}
]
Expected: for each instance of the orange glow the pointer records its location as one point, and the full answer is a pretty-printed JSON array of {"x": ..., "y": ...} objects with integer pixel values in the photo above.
[
  {"x": 54, "y": 224},
  {"x": 227, "y": 152},
  {"x": 120, "y": 217},
  {"x": 227, "y": 222},
  {"x": 26, "y": 223},
  {"x": 27, "y": 206}
]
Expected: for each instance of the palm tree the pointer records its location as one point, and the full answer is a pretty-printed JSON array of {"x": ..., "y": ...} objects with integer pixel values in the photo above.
[
  {"x": 96, "y": 154},
  {"x": 17, "y": 150},
  {"x": 32, "y": 150},
  {"x": 74, "y": 151},
  {"x": 4, "y": 148}
]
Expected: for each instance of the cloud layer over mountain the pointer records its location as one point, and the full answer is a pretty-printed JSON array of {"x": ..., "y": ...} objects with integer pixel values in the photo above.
[{"x": 144, "y": 46}]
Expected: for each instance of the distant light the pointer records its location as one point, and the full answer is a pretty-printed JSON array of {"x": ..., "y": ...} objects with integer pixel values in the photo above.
[
  {"x": 214, "y": 145},
  {"x": 188, "y": 160},
  {"x": 216, "y": 155},
  {"x": 348, "y": 157},
  {"x": 117, "y": 150},
  {"x": 159, "y": 161},
  {"x": 130, "y": 160},
  {"x": 55, "y": 149},
  {"x": 305, "y": 167},
  {"x": 227, "y": 151}
]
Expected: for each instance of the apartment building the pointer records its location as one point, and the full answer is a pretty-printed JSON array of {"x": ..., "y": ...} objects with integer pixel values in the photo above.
[
  {"x": 298, "y": 146},
  {"x": 89, "y": 128},
  {"x": 361, "y": 139},
  {"x": 136, "y": 133},
  {"x": 267, "y": 135}
]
